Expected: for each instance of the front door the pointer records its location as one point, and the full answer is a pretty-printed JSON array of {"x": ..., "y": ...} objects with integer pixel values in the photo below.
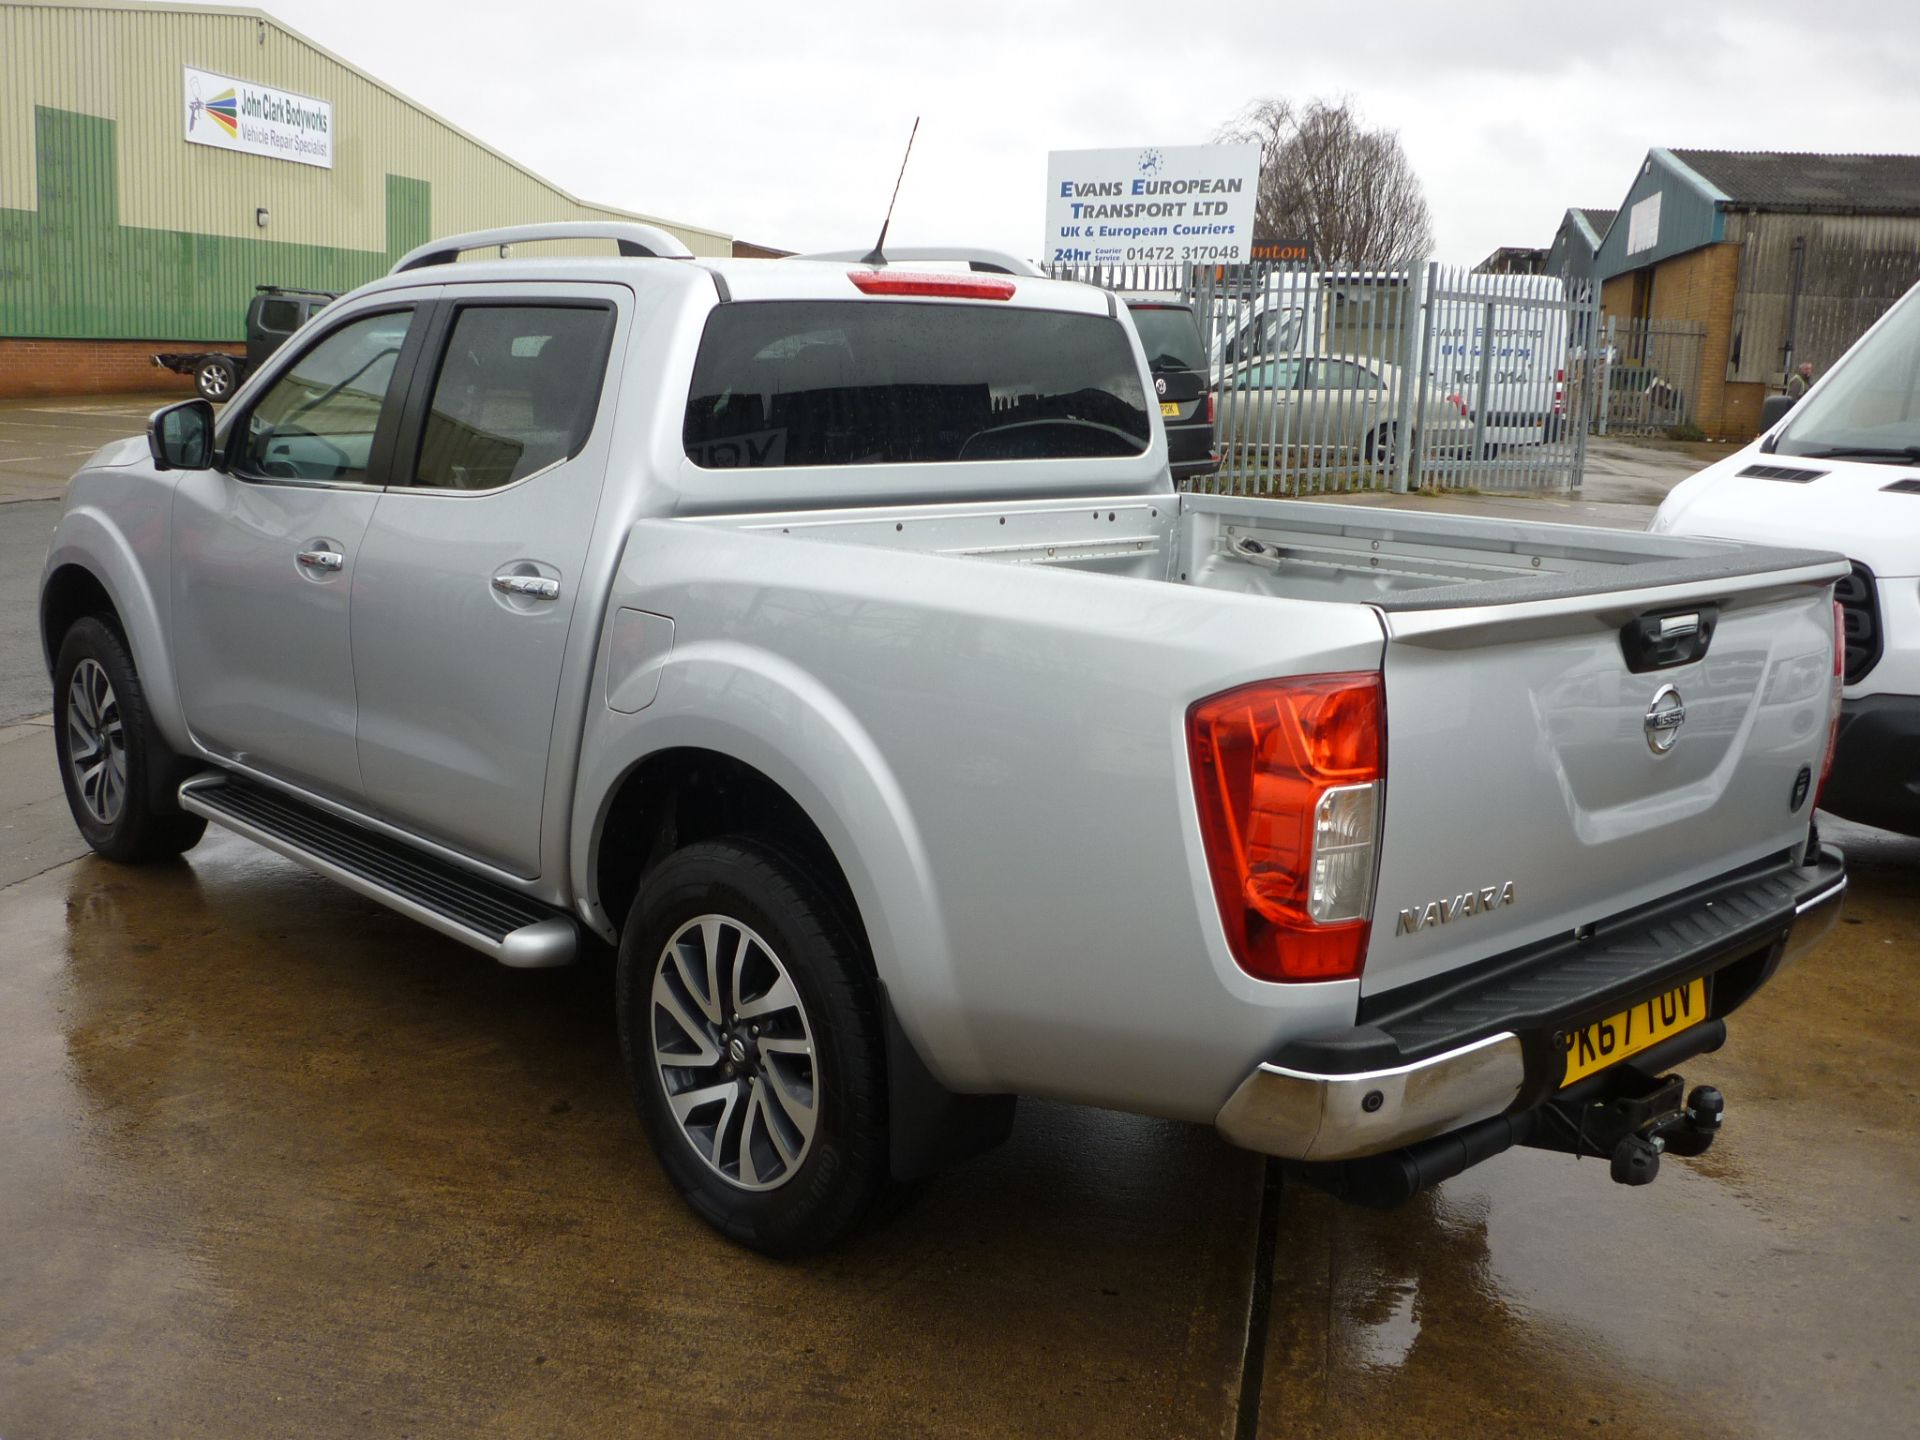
[
  {"x": 470, "y": 572},
  {"x": 264, "y": 555}
]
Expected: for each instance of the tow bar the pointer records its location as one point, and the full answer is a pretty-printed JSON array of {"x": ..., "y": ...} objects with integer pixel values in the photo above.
[
  {"x": 1633, "y": 1131},
  {"x": 1635, "y": 1120}
]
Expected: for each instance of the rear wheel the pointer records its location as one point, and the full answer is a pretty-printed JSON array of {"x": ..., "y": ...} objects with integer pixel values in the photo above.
[
  {"x": 1382, "y": 444},
  {"x": 110, "y": 753},
  {"x": 215, "y": 377},
  {"x": 750, "y": 1027}
]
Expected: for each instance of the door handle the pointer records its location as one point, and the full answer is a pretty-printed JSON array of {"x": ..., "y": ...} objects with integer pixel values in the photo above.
[
  {"x": 322, "y": 559},
  {"x": 533, "y": 587}
]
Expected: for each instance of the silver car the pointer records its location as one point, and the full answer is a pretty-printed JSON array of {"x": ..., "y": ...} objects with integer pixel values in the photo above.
[{"x": 1348, "y": 404}]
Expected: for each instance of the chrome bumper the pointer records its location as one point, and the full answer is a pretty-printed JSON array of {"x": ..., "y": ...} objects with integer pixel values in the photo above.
[{"x": 1299, "y": 1115}]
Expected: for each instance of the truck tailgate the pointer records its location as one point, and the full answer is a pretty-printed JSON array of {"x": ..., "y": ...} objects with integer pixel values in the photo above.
[{"x": 1528, "y": 792}]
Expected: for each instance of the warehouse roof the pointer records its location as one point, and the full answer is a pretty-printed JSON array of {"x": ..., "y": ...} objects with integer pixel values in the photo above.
[
  {"x": 1597, "y": 220},
  {"x": 1777, "y": 180}
]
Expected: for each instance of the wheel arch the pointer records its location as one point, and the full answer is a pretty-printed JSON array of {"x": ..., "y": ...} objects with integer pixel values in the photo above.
[
  {"x": 686, "y": 794},
  {"x": 89, "y": 567},
  {"x": 771, "y": 727}
]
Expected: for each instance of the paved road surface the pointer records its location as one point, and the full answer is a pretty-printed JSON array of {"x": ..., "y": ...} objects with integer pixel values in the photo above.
[
  {"x": 42, "y": 442},
  {"x": 275, "y": 1161}
]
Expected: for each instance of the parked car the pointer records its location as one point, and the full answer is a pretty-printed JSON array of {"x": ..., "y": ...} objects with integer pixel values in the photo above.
[
  {"x": 827, "y": 637},
  {"x": 1177, "y": 359},
  {"x": 1332, "y": 403},
  {"x": 1841, "y": 470},
  {"x": 273, "y": 315}
]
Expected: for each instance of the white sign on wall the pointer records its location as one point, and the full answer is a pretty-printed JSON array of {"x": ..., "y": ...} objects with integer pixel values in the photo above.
[
  {"x": 1643, "y": 224},
  {"x": 1174, "y": 204},
  {"x": 234, "y": 114}
]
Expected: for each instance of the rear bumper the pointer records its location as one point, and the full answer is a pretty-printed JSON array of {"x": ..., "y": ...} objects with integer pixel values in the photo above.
[
  {"x": 1876, "y": 763},
  {"x": 1190, "y": 449},
  {"x": 1495, "y": 1042}
]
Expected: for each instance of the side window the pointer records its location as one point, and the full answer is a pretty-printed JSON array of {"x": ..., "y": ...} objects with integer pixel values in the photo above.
[
  {"x": 1285, "y": 374},
  {"x": 516, "y": 392},
  {"x": 280, "y": 316},
  {"x": 319, "y": 419}
]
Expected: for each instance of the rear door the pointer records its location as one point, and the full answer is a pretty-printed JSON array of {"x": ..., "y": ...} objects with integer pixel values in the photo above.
[
  {"x": 1535, "y": 783},
  {"x": 470, "y": 573}
]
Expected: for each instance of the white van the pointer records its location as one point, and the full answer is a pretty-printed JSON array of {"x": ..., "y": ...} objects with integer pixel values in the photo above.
[{"x": 1842, "y": 472}]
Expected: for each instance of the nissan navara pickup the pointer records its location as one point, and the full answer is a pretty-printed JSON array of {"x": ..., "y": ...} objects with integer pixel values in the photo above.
[{"x": 826, "y": 639}]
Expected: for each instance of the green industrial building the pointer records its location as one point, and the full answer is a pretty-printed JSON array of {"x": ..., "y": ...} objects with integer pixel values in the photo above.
[{"x": 158, "y": 162}]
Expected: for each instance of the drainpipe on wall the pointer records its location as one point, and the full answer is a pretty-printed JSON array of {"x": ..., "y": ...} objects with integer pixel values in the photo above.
[{"x": 1798, "y": 266}]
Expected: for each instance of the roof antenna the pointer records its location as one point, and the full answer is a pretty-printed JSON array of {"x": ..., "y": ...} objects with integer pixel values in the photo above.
[{"x": 875, "y": 257}]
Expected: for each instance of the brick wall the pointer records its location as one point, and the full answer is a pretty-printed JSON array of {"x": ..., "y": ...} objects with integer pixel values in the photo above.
[
  {"x": 92, "y": 367},
  {"x": 1699, "y": 286},
  {"x": 1741, "y": 417}
]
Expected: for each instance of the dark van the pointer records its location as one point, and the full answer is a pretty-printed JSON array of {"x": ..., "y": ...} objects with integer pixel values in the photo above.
[{"x": 1177, "y": 356}]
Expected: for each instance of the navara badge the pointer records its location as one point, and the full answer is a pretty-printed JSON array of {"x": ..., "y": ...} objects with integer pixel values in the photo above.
[{"x": 1665, "y": 716}]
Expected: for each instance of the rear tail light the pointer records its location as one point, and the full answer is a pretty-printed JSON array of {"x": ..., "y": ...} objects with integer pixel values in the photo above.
[
  {"x": 918, "y": 282},
  {"x": 1210, "y": 407},
  {"x": 1458, "y": 404},
  {"x": 1833, "y": 703},
  {"x": 1287, "y": 777},
  {"x": 1560, "y": 376}
]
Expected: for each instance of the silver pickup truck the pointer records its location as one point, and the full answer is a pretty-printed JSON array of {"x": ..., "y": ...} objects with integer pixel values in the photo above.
[{"x": 825, "y": 636}]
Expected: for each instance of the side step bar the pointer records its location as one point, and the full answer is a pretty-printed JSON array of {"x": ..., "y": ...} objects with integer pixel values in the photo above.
[{"x": 492, "y": 919}]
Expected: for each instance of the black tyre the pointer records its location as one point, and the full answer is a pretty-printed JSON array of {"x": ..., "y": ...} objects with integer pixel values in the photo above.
[
  {"x": 110, "y": 753},
  {"x": 750, "y": 1027},
  {"x": 1381, "y": 444},
  {"x": 216, "y": 378}
]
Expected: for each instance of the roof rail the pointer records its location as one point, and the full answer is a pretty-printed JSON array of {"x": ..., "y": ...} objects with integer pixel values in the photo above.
[
  {"x": 633, "y": 238},
  {"x": 992, "y": 262}
]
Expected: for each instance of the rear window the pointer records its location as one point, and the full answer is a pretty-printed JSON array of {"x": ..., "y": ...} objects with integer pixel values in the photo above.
[
  {"x": 1170, "y": 336},
  {"x": 847, "y": 382}
]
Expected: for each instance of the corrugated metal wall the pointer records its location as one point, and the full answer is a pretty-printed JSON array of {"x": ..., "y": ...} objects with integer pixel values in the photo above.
[
  {"x": 113, "y": 226},
  {"x": 1849, "y": 269}
]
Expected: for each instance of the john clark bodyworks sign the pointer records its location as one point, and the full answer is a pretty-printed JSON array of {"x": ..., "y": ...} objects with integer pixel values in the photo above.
[
  {"x": 265, "y": 120},
  {"x": 1181, "y": 204}
]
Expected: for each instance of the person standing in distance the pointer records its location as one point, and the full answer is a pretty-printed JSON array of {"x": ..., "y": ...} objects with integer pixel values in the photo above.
[{"x": 1798, "y": 382}]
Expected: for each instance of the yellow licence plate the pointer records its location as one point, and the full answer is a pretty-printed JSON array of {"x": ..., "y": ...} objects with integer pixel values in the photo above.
[
  {"x": 1633, "y": 1030},
  {"x": 1168, "y": 408}
]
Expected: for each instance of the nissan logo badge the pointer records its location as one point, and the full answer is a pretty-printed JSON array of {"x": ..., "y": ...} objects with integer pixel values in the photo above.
[{"x": 1665, "y": 716}]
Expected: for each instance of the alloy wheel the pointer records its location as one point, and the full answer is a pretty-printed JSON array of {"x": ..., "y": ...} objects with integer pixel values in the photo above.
[
  {"x": 96, "y": 742},
  {"x": 735, "y": 1052}
]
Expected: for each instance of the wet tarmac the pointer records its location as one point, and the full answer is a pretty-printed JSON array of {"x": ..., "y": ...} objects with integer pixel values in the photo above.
[{"x": 275, "y": 1162}]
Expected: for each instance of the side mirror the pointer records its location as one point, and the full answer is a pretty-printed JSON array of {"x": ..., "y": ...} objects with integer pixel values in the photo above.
[
  {"x": 1773, "y": 410},
  {"x": 180, "y": 437}
]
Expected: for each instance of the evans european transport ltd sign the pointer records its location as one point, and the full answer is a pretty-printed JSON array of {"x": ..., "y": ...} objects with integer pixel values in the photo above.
[
  {"x": 234, "y": 114},
  {"x": 1178, "y": 204}
]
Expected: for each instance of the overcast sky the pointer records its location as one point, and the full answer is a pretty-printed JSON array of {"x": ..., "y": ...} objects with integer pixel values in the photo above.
[{"x": 783, "y": 122}]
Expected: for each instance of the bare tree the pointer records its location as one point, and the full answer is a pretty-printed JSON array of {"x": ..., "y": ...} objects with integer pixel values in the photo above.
[{"x": 1325, "y": 178}]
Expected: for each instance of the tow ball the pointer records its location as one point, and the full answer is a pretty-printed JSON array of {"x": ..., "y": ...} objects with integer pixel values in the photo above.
[{"x": 1632, "y": 1132}]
